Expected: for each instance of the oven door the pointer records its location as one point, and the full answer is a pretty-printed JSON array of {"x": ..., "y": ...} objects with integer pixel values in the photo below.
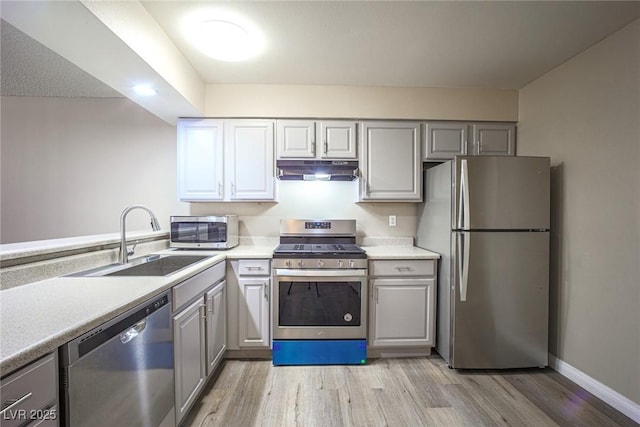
[{"x": 320, "y": 304}]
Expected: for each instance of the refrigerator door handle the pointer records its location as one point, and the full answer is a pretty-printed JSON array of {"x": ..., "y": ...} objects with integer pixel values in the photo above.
[
  {"x": 463, "y": 211},
  {"x": 464, "y": 240}
]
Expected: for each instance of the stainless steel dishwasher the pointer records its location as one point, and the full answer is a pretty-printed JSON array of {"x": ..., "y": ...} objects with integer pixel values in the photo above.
[{"x": 121, "y": 373}]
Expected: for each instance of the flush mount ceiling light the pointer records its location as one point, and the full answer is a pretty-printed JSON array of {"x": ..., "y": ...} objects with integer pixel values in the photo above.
[{"x": 224, "y": 36}]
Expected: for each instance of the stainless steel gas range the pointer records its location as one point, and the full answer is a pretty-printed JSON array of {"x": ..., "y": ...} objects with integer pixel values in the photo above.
[{"x": 320, "y": 294}]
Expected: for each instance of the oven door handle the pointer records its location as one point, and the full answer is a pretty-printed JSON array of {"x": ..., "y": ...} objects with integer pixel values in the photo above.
[{"x": 320, "y": 273}]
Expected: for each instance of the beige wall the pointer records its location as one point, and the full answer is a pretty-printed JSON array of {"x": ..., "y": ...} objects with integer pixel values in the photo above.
[
  {"x": 361, "y": 102},
  {"x": 69, "y": 167},
  {"x": 317, "y": 200},
  {"x": 586, "y": 115}
]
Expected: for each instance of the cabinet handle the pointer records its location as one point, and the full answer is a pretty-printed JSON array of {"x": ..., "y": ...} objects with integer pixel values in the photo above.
[
  {"x": 313, "y": 147},
  {"x": 377, "y": 295},
  {"x": 220, "y": 188},
  {"x": 266, "y": 292},
  {"x": 233, "y": 188},
  {"x": 200, "y": 307},
  {"x": 326, "y": 147},
  {"x": 251, "y": 268},
  {"x": 404, "y": 268},
  {"x": 210, "y": 306},
  {"x": 14, "y": 402}
]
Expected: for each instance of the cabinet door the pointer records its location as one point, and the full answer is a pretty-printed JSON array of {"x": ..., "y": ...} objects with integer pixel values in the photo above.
[
  {"x": 494, "y": 139},
  {"x": 216, "y": 325},
  {"x": 253, "y": 311},
  {"x": 296, "y": 138},
  {"x": 249, "y": 152},
  {"x": 200, "y": 160},
  {"x": 31, "y": 390},
  {"x": 444, "y": 140},
  {"x": 189, "y": 354},
  {"x": 402, "y": 312},
  {"x": 391, "y": 163},
  {"x": 337, "y": 139}
]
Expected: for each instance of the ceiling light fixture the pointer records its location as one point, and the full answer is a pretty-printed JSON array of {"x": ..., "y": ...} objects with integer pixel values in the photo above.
[
  {"x": 224, "y": 35},
  {"x": 144, "y": 90}
]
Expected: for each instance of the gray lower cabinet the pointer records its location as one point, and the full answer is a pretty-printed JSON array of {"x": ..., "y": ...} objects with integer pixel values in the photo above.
[
  {"x": 189, "y": 354},
  {"x": 199, "y": 338},
  {"x": 216, "y": 330},
  {"x": 249, "y": 319},
  {"x": 30, "y": 395},
  {"x": 402, "y": 306}
]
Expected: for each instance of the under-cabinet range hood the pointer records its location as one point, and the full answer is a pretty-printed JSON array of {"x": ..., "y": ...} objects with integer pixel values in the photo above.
[{"x": 317, "y": 170}]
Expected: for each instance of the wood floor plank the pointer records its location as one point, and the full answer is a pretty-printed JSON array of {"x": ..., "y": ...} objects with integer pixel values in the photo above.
[
  {"x": 394, "y": 392},
  {"x": 567, "y": 405},
  {"x": 502, "y": 402}
]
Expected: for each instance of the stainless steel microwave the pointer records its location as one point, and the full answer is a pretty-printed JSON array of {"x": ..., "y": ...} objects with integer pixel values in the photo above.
[{"x": 204, "y": 232}]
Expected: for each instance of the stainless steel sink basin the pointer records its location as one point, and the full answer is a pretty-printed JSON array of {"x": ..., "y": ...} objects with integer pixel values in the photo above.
[{"x": 152, "y": 265}]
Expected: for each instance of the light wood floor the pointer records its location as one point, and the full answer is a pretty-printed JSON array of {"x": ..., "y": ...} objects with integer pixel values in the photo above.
[{"x": 395, "y": 392}]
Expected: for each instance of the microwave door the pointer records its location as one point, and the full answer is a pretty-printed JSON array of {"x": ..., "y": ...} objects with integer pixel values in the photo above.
[
  {"x": 184, "y": 231},
  {"x": 203, "y": 233}
]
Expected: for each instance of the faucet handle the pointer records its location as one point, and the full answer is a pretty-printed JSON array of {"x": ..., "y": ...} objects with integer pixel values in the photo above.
[{"x": 133, "y": 249}]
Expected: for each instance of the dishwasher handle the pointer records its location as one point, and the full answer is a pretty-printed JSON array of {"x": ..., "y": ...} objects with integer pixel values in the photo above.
[{"x": 133, "y": 331}]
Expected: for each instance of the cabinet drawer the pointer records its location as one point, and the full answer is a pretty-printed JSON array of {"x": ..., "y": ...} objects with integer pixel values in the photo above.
[
  {"x": 196, "y": 285},
  {"x": 254, "y": 267},
  {"x": 398, "y": 267},
  {"x": 36, "y": 385}
]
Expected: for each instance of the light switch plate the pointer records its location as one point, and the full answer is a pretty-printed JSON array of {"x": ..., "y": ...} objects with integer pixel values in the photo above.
[{"x": 392, "y": 220}]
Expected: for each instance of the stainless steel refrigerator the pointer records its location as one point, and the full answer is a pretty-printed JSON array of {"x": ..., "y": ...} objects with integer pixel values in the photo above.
[{"x": 488, "y": 217}]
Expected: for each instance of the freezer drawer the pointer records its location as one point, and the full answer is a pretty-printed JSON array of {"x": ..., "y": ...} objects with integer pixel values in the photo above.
[{"x": 499, "y": 300}]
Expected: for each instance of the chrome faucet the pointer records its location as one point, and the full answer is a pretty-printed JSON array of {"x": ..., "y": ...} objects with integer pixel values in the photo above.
[{"x": 124, "y": 252}]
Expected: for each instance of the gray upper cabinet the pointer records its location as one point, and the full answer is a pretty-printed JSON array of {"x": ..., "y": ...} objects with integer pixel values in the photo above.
[
  {"x": 225, "y": 160},
  {"x": 444, "y": 140},
  {"x": 249, "y": 166},
  {"x": 311, "y": 139},
  {"x": 200, "y": 160},
  {"x": 390, "y": 161},
  {"x": 494, "y": 139}
]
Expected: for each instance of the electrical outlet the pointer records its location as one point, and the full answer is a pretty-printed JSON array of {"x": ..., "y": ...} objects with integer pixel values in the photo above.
[{"x": 392, "y": 220}]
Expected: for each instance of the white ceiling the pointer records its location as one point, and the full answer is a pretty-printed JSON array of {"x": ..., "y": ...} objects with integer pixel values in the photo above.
[
  {"x": 476, "y": 44},
  {"x": 502, "y": 45}
]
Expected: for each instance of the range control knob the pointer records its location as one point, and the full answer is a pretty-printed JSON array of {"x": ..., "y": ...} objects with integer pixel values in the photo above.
[
  {"x": 287, "y": 263},
  {"x": 320, "y": 263},
  {"x": 339, "y": 263},
  {"x": 300, "y": 263},
  {"x": 352, "y": 263}
]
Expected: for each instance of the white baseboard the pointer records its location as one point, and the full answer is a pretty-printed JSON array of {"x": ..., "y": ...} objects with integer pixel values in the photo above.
[{"x": 623, "y": 404}]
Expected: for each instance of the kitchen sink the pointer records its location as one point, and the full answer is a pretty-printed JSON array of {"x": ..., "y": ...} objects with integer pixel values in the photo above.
[{"x": 151, "y": 265}]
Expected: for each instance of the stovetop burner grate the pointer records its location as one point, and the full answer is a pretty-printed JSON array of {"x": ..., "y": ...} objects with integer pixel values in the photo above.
[{"x": 318, "y": 249}]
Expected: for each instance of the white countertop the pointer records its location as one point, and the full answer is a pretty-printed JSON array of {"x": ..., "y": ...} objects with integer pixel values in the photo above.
[
  {"x": 399, "y": 252},
  {"x": 39, "y": 317}
]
